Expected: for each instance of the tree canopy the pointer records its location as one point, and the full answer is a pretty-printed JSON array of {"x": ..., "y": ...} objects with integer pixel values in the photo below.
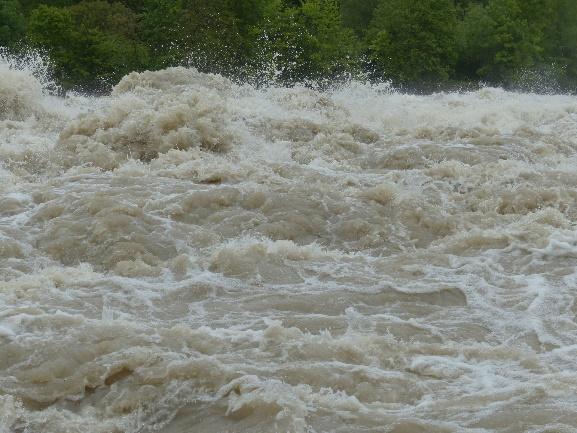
[{"x": 92, "y": 43}]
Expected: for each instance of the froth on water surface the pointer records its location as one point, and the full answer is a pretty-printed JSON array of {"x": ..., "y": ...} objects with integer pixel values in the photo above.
[{"x": 191, "y": 255}]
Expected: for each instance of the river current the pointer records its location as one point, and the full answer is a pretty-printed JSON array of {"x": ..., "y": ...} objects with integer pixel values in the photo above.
[{"x": 191, "y": 255}]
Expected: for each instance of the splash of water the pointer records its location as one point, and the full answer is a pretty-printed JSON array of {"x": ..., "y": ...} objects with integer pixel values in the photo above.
[{"x": 188, "y": 254}]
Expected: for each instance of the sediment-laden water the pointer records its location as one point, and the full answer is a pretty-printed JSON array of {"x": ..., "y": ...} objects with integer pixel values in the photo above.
[{"x": 190, "y": 255}]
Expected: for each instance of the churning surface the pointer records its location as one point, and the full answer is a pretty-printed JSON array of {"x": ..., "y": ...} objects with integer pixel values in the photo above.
[{"x": 191, "y": 255}]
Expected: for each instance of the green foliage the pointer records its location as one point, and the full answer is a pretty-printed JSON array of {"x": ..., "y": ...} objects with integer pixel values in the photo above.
[
  {"x": 12, "y": 23},
  {"x": 134, "y": 5},
  {"x": 307, "y": 42},
  {"x": 212, "y": 37},
  {"x": 357, "y": 14},
  {"x": 92, "y": 43},
  {"x": 561, "y": 37},
  {"x": 29, "y": 5},
  {"x": 105, "y": 17},
  {"x": 160, "y": 30},
  {"x": 335, "y": 48},
  {"x": 87, "y": 50},
  {"x": 248, "y": 12},
  {"x": 566, "y": 48},
  {"x": 498, "y": 40},
  {"x": 413, "y": 40}
]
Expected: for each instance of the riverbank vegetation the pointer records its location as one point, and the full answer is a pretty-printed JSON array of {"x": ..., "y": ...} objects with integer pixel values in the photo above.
[{"x": 420, "y": 44}]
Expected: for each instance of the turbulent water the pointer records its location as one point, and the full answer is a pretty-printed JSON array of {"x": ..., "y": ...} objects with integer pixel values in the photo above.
[{"x": 191, "y": 255}]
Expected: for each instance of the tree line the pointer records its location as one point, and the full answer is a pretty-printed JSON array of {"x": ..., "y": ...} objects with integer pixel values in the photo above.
[{"x": 413, "y": 43}]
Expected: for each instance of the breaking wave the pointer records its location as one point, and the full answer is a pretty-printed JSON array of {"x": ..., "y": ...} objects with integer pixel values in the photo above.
[{"x": 189, "y": 254}]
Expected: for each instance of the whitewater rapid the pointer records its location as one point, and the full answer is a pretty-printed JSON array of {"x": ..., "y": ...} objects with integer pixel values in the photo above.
[{"x": 192, "y": 255}]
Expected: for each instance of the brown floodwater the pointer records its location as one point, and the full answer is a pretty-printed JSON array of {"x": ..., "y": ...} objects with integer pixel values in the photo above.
[{"x": 191, "y": 255}]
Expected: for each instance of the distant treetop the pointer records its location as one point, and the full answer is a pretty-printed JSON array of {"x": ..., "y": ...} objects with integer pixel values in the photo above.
[{"x": 413, "y": 43}]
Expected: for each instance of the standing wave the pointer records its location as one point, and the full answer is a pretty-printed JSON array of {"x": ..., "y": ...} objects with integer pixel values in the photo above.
[{"x": 189, "y": 254}]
